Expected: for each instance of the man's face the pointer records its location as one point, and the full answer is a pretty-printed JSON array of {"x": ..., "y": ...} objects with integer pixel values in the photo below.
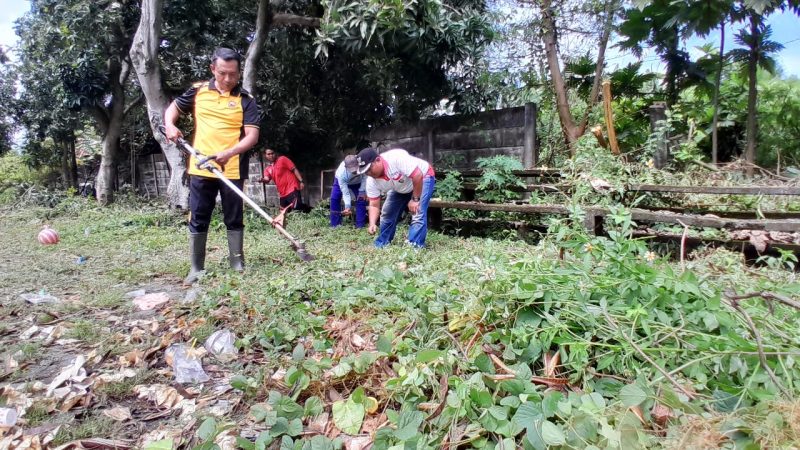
[
  {"x": 226, "y": 74},
  {"x": 270, "y": 155},
  {"x": 376, "y": 168}
]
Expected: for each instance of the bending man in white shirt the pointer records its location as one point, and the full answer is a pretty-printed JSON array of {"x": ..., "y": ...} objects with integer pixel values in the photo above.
[{"x": 407, "y": 181}]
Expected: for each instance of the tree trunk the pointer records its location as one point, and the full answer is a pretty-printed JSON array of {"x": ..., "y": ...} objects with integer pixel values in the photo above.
[
  {"x": 608, "y": 25},
  {"x": 256, "y": 48},
  {"x": 752, "y": 98},
  {"x": 568, "y": 126},
  {"x": 73, "y": 162},
  {"x": 144, "y": 55},
  {"x": 115, "y": 113},
  {"x": 717, "y": 82},
  {"x": 66, "y": 172}
]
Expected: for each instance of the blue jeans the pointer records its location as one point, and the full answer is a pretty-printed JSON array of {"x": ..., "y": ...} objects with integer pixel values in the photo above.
[
  {"x": 394, "y": 206},
  {"x": 336, "y": 205}
]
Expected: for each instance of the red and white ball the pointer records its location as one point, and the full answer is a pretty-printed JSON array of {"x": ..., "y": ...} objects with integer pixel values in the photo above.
[{"x": 48, "y": 236}]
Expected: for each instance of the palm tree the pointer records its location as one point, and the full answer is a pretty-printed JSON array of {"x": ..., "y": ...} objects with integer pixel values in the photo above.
[{"x": 757, "y": 53}]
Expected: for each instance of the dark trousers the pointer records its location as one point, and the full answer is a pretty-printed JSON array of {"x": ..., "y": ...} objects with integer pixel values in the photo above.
[
  {"x": 336, "y": 205},
  {"x": 203, "y": 197}
]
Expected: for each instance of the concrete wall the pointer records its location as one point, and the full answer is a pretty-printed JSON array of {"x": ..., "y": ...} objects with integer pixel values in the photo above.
[{"x": 458, "y": 141}]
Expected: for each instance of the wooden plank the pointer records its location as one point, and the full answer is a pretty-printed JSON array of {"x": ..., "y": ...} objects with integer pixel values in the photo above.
[
  {"x": 717, "y": 190},
  {"x": 527, "y": 188},
  {"x": 506, "y": 207},
  {"x": 520, "y": 173},
  {"x": 637, "y": 214},
  {"x": 787, "y": 225}
]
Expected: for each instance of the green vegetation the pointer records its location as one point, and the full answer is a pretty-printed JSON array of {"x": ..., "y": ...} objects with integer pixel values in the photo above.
[{"x": 575, "y": 341}]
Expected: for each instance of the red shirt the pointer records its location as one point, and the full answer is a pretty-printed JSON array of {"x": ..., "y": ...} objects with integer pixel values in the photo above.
[{"x": 282, "y": 172}]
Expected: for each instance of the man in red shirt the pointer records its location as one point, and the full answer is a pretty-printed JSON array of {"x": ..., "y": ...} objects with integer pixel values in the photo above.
[{"x": 287, "y": 179}]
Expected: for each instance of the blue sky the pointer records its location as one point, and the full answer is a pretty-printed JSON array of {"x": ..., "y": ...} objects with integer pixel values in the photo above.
[{"x": 785, "y": 27}]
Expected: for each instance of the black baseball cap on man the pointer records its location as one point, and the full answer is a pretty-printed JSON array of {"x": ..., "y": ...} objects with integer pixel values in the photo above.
[{"x": 361, "y": 163}]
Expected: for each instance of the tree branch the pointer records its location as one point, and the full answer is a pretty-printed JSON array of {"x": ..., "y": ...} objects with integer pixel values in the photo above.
[
  {"x": 768, "y": 296},
  {"x": 137, "y": 101},
  {"x": 286, "y": 19}
]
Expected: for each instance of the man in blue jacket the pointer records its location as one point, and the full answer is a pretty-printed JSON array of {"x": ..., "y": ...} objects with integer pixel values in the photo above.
[{"x": 347, "y": 185}]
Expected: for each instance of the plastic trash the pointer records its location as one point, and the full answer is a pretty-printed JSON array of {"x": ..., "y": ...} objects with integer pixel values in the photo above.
[
  {"x": 8, "y": 417},
  {"x": 41, "y": 298},
  {"x": 80, "y": 260},
  {"x": 136, "y": 293},
  {"x": 220, "y": 344},
  {"x": 186, "y": 367}
]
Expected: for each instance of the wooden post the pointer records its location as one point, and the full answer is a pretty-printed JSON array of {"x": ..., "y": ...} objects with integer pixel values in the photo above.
[
  {"x": 612, "y": 135},
  {"x": 530, "y": 154},
  {"x": 155, "y": 172},
  {"x": 431, "y": 135},
  {"x": 658, "y": 114}
]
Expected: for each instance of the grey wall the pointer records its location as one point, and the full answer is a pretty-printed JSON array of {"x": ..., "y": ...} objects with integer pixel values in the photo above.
[{"x": 457, "y": 141}]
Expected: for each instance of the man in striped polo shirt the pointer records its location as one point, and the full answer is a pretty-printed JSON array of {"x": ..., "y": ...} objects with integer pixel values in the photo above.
[
  {"x": 226, "y": 120},
  {"x": 407, "y": 181}
]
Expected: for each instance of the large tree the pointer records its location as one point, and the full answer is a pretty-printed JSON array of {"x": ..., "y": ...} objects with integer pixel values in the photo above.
[{"x": 87, "y": 42}]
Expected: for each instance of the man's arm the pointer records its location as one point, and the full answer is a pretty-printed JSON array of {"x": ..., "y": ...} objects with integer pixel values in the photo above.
[
  {"x": 346, "y": 197},
  {"x": 374, "y": 214},
  {"x": 170, "y": 119},
  {"x": 416, "y": 192},
  {"x": 298, "y": 176},
  {"x": 248, "y": 141}
]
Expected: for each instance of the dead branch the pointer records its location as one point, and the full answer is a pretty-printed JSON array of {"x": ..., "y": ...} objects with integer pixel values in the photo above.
[{"x": 768, "y": 296}]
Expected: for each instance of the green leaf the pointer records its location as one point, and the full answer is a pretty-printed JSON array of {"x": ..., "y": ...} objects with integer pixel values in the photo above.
[
  {"x": 244, "y": 444},
  {"x": 164, "y": 444},
  {"x": 384, "y": 344},
  {"x": 482, "y": 399},
  {"x": 299, "y": 352},
  {"x": 207, "y": 429},
  {"x": 632, "y": 395},
  {"x": 295, "y": 427},
  {"x": 313, "y": 407},
  {"x": 426, "y": 356},
  {"x": 239, "y": 382},
  {"x": 550, "y": 403},
  {"x": 263, "y": 440},
  {"x": 408, "y": 425},
  {"x": 348, "y": 416},
  {"x": 552, "y": 434},
  {"x": 484, "y": 363},
  {"x": 527, "y": 414}
]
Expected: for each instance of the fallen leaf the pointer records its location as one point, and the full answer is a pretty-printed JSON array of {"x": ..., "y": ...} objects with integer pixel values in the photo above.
[
  {"x": 74, "y": 371},
  {"x": 358, "y": 341},
  {"x": 320, "y": 423},
  {"x": 132, "y": 358},
  {"x": 357, "y": 443},
  {"x": 119, "y": 413}
]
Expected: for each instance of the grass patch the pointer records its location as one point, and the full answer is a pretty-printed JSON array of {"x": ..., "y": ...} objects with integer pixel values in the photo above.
[
  {"x": 96, "y": 425},
  {"x": 27, "y": 351},
  {"x": 37, "y": 413},
  {"x": 124, "y": 389},
  {"x": 86, "y": 331}
]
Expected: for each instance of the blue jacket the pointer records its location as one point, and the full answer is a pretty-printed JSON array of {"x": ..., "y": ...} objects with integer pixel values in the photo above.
[{"x": 345, "y": 180}]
